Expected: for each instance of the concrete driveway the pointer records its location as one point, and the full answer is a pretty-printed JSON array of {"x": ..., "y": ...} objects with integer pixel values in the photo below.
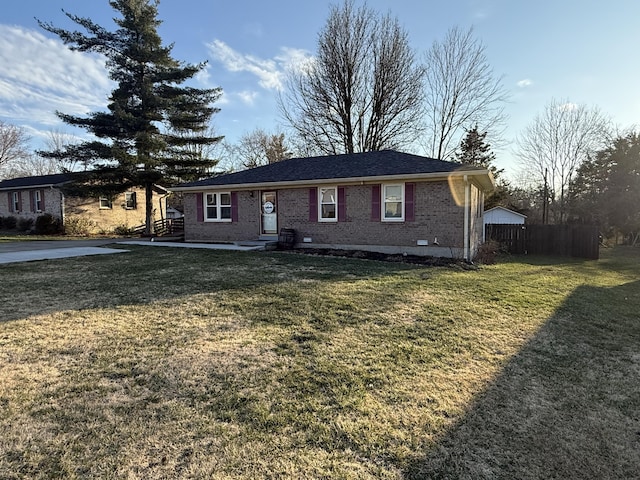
[
  {"x": 26, "y": 246},
  {"x": 12, "y": 252}
]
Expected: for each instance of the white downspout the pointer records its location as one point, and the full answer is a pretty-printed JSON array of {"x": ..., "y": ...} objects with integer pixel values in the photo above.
[
  {"x": 467, "y": 195},
  {"x": 62, "y": 208}
]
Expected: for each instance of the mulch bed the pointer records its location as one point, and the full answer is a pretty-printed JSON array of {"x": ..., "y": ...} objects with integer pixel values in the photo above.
[{"x": 387, "y": 257}]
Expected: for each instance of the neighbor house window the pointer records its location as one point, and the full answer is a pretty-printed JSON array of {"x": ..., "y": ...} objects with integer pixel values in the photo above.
[
  {"x": 37, "y": 200},
  {"x": 393, "y": 202},
  {"x": 328, "y": 204},
  {"x": 15, "y": 201},
  {"x": 217, "y": 207},
  {"x": 130, "y": 200},
  {"x": 105, "y": 202}
]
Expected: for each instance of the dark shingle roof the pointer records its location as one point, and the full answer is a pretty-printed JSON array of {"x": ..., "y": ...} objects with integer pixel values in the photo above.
[
  {"x": 39, "y": 181},
  {"x": 356, "y": 165}
]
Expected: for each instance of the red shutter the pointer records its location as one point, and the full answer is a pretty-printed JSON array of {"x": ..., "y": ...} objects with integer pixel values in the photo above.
[
  {"x": 32, "y": 200},
  {"x": 342, "y": 205},
  {"x": 409, "y": 202},
  {"x": 234, "y": 206},
  {"x": 19, "y": 201},
  {"x": 42, "y": 201},
  {"x": 10, "y": 196},
  {"x": 313, "y": 204},
  {"x": 375, "y": 203},
  {"x": 199, "y": 207}
]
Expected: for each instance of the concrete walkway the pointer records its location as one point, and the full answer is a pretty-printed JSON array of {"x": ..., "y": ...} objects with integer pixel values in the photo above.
[{"x": 13, "y": 252}]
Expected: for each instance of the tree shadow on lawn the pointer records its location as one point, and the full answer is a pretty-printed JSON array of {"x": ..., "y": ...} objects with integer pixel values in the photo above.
[
  {"x": 566, "y": 406},
  {"x": 146, "y": 275}
]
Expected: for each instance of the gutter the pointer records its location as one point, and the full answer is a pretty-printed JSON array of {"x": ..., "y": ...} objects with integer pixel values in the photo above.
[
  {"x": 342, "y": 181},
  {"x": 26, "y": 187}
]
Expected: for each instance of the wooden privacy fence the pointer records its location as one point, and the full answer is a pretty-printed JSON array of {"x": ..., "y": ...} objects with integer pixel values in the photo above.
[{"x": 564, "y": 240}]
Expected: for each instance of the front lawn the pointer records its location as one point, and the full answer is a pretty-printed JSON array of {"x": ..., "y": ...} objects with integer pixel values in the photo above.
[{"x": 181, "y": 363}]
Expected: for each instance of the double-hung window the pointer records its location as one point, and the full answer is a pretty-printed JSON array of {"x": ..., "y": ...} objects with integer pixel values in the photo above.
[
  {"x": 130, "y": 200},
  {"x": 217, "y": 207},
  {"x": 37, "y": 200},
  {"x": 15, "y": 201},
  {"x": 328, "y": 204},
  {"x": 105, "y": 203},
  {"x": 393, "y": 202}
]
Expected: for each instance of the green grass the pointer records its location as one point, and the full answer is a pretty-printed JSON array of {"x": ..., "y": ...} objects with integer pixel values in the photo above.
[{"x": 180, "y": 363}]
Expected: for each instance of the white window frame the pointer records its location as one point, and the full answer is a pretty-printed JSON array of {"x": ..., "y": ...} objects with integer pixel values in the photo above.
[
  {"x": 383, "y": 203},
  {"x": 15, "y": 200},
  {"x": 130, "y": 197},
  {"x": 37, "y": 200},
  {"x": 320, "y": 204},
  {"x": 105, "y": 203},
  {"x": 218, "y": 206}
]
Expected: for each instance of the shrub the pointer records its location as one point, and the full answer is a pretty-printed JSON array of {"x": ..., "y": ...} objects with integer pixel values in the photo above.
[
  {"x": 123, "y": 230},
  {"x": 9, "y": 222},
  {"x": 47, "y": 224},
  {"x": 487, "y": 252},
  {"x": 25, "y": 224},
  {"x": 79, "y": 226}
]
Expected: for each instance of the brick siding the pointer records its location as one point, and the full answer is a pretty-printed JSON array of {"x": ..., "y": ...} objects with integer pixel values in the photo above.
[
  {"x": 103, "y": 220},
  {"x": 437, "y": 215}
]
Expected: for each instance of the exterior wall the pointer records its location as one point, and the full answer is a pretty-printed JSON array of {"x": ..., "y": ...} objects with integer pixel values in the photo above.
[
  {"x": 107, "y": 219},
  {"x": 87, "y": 209},
  {"x": 439, "y": 217},
  {"x": 476, "y": 216},
  {"x": 246, "y": 228},
  {"x": 52, "y": 203}
]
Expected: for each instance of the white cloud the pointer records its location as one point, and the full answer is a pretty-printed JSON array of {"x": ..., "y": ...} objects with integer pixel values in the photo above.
[
  {"x": 39, "y": 75},
  {"x": 270, "y": 72},
  {"x": 248, "y": 97},
  {"x": 525, "y": 83},
  {"x": 295, "y": 59},
  {"x": 203, "y": 76}
]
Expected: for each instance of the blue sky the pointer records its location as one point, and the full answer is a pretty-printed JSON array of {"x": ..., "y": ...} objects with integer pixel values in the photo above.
[{"x": 581, "y": 51}]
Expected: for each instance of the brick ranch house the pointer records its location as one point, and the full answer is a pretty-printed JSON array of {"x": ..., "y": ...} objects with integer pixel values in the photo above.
[
  {"x": 30, "y": 197},
  {"x": 384, "y": 201}
]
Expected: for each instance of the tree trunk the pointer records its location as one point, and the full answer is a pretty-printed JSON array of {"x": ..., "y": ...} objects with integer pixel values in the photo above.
[{"x": 148, "y": 206}]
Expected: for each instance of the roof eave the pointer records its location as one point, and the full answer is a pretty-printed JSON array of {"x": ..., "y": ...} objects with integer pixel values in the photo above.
[
  {"x": 20, "y": 187},
  {"x": 485, "y": 181}
]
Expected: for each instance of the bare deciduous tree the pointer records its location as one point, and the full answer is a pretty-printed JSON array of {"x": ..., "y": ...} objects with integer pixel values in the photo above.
[
  {"x": 32, "y": 165},
  {"x": 362, "y": 92},
  {"x": 58, "y": 141},
  {"x": 14, "y": 143},
  {"x": 554, "y": 145},
  {"x": 462, "y": 91},
  {"x": 258, "y": 148}
]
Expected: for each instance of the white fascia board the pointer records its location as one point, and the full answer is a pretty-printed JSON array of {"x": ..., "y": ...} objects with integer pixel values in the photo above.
[
  {"x": 341, "y": 181},
  {"x": 30, "y": 187}
]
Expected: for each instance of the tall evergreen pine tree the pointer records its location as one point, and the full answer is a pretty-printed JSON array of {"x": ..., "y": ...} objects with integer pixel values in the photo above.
[
  {"x": 474, "y": 150},
  {"x": 152, "y": 122}
]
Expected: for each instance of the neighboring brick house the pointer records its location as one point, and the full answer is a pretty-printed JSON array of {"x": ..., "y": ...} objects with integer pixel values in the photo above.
[
  {"x": 383, "y": 201},
  {"x": 29, "y": 197}
]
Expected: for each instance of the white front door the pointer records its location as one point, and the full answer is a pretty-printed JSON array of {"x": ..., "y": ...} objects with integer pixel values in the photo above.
[{"x": 269, "y": 213}]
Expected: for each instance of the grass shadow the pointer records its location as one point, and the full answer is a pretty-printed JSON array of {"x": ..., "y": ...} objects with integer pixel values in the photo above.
[{"x": 566, "y": 406}]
